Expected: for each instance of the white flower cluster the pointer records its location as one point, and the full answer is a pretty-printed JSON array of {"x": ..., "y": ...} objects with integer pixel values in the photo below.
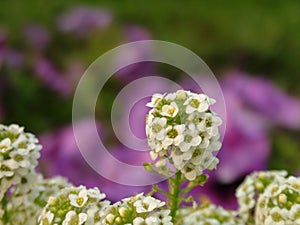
[
  {"x": 280, "y": 203},
  {"x": 75, "y": 206},
  {"x": 138, "y": 210},
  {"x": 253, "y": 185},
  {"x": 181, "y": 127},
  {"x": 25, "y": 208},
  {"x": 209, "y": 215},
  {"x": 19, "y": 152}
]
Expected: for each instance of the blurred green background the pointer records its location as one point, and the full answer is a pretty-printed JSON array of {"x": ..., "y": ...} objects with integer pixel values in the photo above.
[{"x": 258, "y": 36}]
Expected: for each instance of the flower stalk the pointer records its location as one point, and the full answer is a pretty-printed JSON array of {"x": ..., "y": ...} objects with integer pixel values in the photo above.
[{"x": 175, "y": 200}]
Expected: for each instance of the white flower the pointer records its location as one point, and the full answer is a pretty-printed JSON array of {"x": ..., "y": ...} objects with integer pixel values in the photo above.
[
  {"x": 139, "y": 221},
  {"x": 148, "y": 204},
  {"x": 171, "y": 96},
  {"x": 196, "y": 103},
  {"x": 170, "y": 110},
  {"x": 191, "y": 139},
  {"x": 209, "y": 124},
  {"x": 174, "y": 135},
  {"x": 5, "y": 145},
  {"x": 294, "y": 213},
  {"x": 163, "y": 217},
  {"x": 95, "y": 193},
  {"x": 155, "y": 100},
  {"x": 276, "y": 217},
  {"x": 181, "y": 95},
  {"x": 80, "y": 199},
  {"x": 157, "y": 128},
  {"x": 48, "y": 219},
  {"x": 73, "y": 219}
]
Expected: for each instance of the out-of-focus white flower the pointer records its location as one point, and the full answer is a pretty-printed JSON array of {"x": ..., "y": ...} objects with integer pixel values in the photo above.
[
  {"x": 19, "y": 152},
  {"x": 25, "y": 205},
  {"x": 279, "y": 204},
  {"x": 209, "y": 215},
  {"x": 254, "y": 184}
]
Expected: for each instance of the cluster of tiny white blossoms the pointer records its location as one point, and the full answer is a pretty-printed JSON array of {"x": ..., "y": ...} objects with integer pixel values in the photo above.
[
  {"x": 19, "y": 152},
  {"x": 280, "y": 203},
  {"x": 25, "y": 208},
  {"x": 209, "y": 215},
  {"x": 75, "y": 206},
  {"x": 181, "y": 128},
  {"x": 138, "y": 210},
  {"x": 254, "y": 185}
]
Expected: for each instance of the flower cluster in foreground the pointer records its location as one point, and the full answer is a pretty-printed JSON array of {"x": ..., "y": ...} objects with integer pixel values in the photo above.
[
  {"x": 25, "y": 208},
  {"x": 19, "y": 152},
  {"x": 209, "y": 215},
  {"x": 280, "y": 203},
  {"x": 138, "y": 210},
  {"x": 75, "y": 206},
  {"x": 248, "y": 192},
  {"x": 181, "y": 128}
]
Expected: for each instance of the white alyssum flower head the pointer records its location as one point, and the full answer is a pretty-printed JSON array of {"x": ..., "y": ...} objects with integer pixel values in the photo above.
[
  {"x": 280, "y": 203},
  {"x": 19, "y": 152},
  {"x": 138, "y": 210},
  {"x": 25, "y": 207},
  {"x": 209, "y": 215},
  {"x": 182, "y": 129},
  {"x": 253, "y": 185},
  {"x": 75, "y": 205}
]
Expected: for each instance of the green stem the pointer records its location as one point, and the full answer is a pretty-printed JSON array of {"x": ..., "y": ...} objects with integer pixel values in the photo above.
[
  {"x": 174, "y": 186},
  {"x": 3, "y": 204}
]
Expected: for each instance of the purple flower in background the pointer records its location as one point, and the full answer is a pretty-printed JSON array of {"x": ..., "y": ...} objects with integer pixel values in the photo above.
[
  {"x": 84, "y": 20},
  {"x": 46, "y": 71},
  {"x": 245, "y": 143},
  {"x": 1, "y": 100},
  {"x": 134, "y": 71},
  {"x": 136, "y": 33},
  {"x": 3, "y": 45},
  {"x": 37, "y": 36},
  {"x": 266, "y": 99},
  {"x": 61, "y": 156},
  {"x": 9, "y": 56}
]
